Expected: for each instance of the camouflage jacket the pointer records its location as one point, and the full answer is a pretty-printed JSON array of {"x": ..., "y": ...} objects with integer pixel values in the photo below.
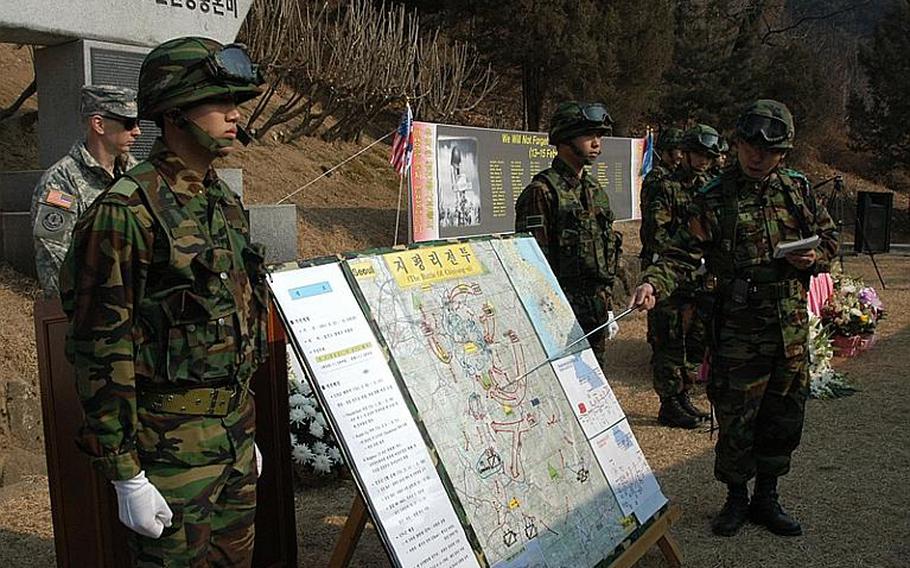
[
  {"x": 572, "y": 222},
  {"x": 667, "y": 209},
  {"x": 734, "y": 224},
  {"x": 660, "y": 168},
  {"x": 164, "y": 293},
  {"x": 63, "y": 193}
]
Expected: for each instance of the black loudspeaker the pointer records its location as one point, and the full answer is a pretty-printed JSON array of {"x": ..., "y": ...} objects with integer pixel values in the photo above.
[{"x": 873, "y": 222}]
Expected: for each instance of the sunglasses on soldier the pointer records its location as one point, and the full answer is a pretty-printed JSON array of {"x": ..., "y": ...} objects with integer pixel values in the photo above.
[
  {"x": 755, "y": 128},
  {"x": 233, "y": 63},
  {"x": 128, "y": 123}
]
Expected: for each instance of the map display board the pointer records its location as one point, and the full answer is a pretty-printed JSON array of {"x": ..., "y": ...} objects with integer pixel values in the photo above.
[
  {"x": 464, "y": 181},
  {"x": 420, "y": 359}
]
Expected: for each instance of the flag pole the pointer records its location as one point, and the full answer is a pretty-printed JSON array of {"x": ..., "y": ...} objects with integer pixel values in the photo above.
[
  {"x": 398, "y": 209},
  {"x": 404, "y": 173}
]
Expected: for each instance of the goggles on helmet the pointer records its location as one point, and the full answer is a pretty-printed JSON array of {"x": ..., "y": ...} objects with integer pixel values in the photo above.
[
  {"x": 233, "y": 63},
  {"x": 596, "y": 112},
  {"x": 756, "y": 128},
  {"x": 709, "y": 141}
]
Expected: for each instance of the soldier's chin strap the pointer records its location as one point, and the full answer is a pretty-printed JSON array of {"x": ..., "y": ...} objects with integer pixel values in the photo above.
[{"x": 203, "y": 138}]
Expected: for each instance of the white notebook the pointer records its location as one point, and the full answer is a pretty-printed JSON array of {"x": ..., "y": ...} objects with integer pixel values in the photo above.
[{"x": 782, "y": 249}]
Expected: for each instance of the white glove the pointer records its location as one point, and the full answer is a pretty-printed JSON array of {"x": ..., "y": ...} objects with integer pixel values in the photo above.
[
  {"x": 612, "y": 327},
  {"x": 258, "y": 457},
  {"x": 141, "y": 506}
]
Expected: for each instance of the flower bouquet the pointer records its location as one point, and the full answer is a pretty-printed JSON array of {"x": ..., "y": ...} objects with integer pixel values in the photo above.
[
  {"x": 313, "y": 448},
  {"x": 824, "y": 381},
  {"x": 851, "y": 314}
]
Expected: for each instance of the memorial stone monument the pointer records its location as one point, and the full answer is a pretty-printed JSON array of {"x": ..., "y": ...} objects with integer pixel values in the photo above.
[{"x": 102, "y": 42}]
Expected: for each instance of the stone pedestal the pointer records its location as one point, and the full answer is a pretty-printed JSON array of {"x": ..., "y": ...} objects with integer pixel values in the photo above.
[{"x": 275, "y": 226}]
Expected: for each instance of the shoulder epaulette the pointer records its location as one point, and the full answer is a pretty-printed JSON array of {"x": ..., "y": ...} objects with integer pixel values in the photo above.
[
  {"x": 125, "y": 189},
  {"x": 122, "y": 191}
]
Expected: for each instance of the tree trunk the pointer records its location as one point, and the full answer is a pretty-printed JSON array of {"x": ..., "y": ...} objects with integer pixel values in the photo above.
[{"x": 532, "y": 91}]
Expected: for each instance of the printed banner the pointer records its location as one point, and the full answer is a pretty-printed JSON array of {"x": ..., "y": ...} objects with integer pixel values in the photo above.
[{"x": 464, "y": 181}]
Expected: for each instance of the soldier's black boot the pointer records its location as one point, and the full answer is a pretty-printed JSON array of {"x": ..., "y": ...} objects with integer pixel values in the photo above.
[
  {"x": 735, "y": 511},
  {"x": 686, "y": 403},
  {"x": 672, "y": 414},
  {"x": 765, "y": 509}
]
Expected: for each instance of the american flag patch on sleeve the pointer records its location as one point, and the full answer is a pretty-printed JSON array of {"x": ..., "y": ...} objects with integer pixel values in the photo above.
[{"x": 60, "y": 199}]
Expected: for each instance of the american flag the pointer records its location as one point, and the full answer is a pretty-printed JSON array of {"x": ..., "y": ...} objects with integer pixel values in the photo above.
[{"x": 403, "y": 142}]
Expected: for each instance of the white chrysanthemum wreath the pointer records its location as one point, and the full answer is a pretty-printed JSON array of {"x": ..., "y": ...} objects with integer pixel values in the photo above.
[{"x": 313, "y": 447}]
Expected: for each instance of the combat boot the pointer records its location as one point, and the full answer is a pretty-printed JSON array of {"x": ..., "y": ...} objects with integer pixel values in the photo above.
[
  {"x": 686, "y": 403},
  {"x": 735, "y": 511},
  {"x": 672, "y": 414},
  {"x": 765, "y": 509}
]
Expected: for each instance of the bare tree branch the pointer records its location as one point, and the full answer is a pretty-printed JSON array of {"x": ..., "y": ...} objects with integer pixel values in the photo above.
[
  {"x": 348, "y": 62},
  {"x": 11, "y": 110},
  {"x": 811, "y": 18}
]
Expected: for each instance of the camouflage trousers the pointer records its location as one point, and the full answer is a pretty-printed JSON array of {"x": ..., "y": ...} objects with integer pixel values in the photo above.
[
  {"x": 590, "y": 307},
  {"x": 758, "y": 386},
  {"x": 677, "y": 338},
  {"x": 214, "y": 504}
]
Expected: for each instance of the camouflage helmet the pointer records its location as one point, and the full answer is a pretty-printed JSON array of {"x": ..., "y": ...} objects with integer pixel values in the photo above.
[
  {"x": 669, "y": 138},
  {"x": 768, "y": 124},
  {"x": 703, "y": 139},
  {"x": 185, "y": 71},
  {"x": 573, "y": 118}
]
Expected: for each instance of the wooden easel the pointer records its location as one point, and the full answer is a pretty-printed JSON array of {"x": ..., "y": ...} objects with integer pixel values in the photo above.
[{"x": 658, "y": 533}]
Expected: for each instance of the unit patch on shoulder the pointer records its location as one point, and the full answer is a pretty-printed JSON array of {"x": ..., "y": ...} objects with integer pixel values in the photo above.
[{"x": 52, "y": 221}]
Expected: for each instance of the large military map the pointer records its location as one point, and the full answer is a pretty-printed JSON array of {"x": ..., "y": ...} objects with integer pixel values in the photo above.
[{"x": 464, "y": 323}]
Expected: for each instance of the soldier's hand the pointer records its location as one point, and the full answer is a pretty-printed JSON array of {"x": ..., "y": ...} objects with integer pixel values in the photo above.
[
  {"x": 643, "y": 298},
  {"x": 141, "y": 506},
  {"x": 802, "y": 260}
]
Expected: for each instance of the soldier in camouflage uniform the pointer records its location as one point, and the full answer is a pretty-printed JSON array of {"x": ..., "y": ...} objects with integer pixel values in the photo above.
[
  {"x": 167, "y": 303},
  {"x": 669, "y": 153},
  {"x": 759, "y": 357},
  {"x": 676, "y": 335},
  {"x": 722, "y": 160},
  {"x": 667, "y": 159},
  {"x": 569, "y": 214},
  {"x": 69, "y": 186}
]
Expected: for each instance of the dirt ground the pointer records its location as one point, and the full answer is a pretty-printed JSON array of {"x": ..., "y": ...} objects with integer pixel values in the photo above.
[
  {"x": 848, "y": 484},
  {"x": 847, "y": 487}
]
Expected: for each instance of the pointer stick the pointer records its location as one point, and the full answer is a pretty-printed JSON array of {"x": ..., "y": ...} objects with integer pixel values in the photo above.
[{"x": 585, "y": 336}]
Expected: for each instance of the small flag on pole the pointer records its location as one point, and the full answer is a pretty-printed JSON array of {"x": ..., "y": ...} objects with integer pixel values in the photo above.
[
  {"x": 403, "y": 142},
  {"x": 647, "y": 161}
]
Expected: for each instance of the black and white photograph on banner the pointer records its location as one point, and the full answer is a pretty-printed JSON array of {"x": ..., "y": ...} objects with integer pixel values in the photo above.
[{"x": 458, "y": 182}]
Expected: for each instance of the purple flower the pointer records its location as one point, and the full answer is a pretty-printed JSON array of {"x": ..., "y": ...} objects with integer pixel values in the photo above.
[{"x": 869, "y": 297}]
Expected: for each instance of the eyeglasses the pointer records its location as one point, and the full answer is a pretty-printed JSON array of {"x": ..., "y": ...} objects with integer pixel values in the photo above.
[
  {"x": 233, "y": 63},
  {"x": 596, "y": 112},
  {"x": 762, "y": 128}
]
